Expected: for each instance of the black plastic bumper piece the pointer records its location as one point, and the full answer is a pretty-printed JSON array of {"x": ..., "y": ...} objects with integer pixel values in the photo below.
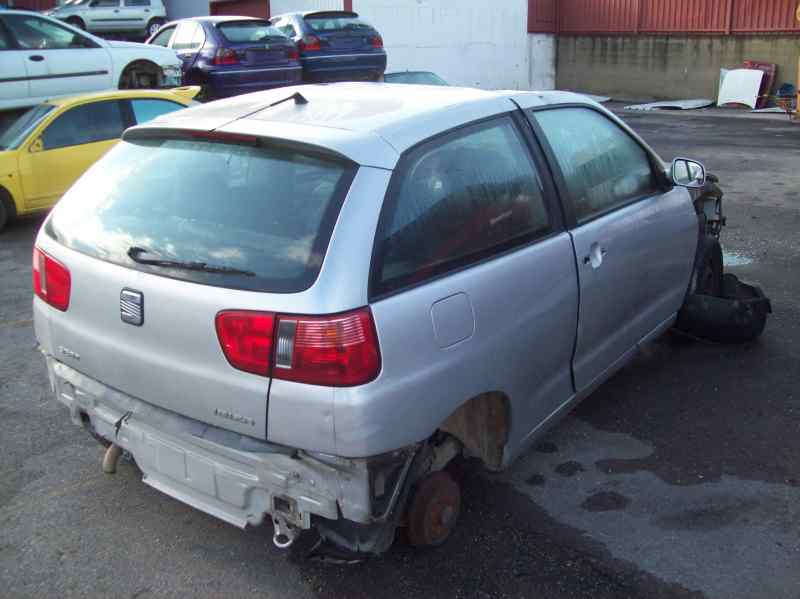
[{"x": 738, "y": 316}]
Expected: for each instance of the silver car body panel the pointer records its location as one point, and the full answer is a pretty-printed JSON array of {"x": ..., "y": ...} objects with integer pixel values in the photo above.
[{"x": 507, "y": 324}]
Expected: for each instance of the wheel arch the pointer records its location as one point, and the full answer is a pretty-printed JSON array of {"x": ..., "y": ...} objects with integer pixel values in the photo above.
[
  {"x": 482, "y": 425},
  {"x": 7, "y": 200},
  {"x": 141, "y": 62}
]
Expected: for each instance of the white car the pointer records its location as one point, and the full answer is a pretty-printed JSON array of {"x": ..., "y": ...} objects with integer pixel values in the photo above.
[
  {"x": 106, "y": 16},
  {"x": 42, "y": 58}
]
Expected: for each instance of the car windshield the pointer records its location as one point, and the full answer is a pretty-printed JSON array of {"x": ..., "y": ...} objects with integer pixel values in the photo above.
[
  {"x": 248, "y": 31},
  {"x": 264, "y": 211},
  {"x": 13, "y": 137},
  {"x": 415, "y": 78},
  {"x": 324, "y": 22}
]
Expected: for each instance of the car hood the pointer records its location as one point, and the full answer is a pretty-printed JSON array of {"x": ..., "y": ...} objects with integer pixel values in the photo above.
[{"x": 118, "y": 44}]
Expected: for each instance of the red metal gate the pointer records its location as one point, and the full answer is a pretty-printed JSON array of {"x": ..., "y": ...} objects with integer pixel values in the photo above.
[
  {"x": 249, "y": 8},
  {"x": 32, "y": 4},
  {"x": 593, "y": 17}
]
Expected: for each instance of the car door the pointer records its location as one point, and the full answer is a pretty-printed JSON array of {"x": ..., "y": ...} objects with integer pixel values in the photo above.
[
  {"x": 473, "y": 269},
  {"x": 104, "y": 15},
  {"x": 67, "y": 146},
  {"x": 634, "y": 237},
  {"x": 134, "y": 14},
  {"x": 58, "y": 60},
  {"x": 187, "y": 41},
  {"x": 163, "y": 37},
  {"x": 14, "y": 84}
]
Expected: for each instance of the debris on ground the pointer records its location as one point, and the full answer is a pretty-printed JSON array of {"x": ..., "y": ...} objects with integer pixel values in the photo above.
[{"x": 672, "y": 105}]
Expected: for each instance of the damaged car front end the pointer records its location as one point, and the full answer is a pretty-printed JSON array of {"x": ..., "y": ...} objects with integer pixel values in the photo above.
[{"x": 718, "y": 307}]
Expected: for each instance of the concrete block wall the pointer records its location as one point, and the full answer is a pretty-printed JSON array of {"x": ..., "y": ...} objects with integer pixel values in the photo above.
[{"x": 667, "y": 67}]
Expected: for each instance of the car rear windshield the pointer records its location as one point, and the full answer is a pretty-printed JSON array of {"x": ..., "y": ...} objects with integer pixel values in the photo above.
[
  {"x": 13, "y": 137},
  {"x": 322, "y": 23},
  {"x": 248, "y": 31},
  {"x": 264, "y": 214}
]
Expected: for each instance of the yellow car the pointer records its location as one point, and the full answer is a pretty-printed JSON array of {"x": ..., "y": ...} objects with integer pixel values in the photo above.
[{"x": 45, "y": 151}]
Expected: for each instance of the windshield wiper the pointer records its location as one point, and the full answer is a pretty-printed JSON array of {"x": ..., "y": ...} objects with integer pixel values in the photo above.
[{"x": 135, "y": 254}]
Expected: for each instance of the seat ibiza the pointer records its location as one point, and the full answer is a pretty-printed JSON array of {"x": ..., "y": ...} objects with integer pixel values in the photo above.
[{"x": 301, "y": 305}]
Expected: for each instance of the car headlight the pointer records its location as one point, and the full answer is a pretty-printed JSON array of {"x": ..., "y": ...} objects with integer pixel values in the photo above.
[{"x": 172, "y": 75}]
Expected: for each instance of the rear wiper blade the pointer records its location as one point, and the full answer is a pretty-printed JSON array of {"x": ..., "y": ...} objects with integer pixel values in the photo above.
[{"x": 135, "y": 254}]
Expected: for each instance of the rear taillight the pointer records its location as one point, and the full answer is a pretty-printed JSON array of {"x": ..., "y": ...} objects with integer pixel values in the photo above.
[
  {"x": 309, "y": 43},
  {"x": 334, "y": 351},
  {"x": 246, "y": 339},
  {"x": 51, "y": 280},
  {"x": 376, "y": 41},
  {"x": 293, "y": 54},
  {"x": 225, "y": 56}
]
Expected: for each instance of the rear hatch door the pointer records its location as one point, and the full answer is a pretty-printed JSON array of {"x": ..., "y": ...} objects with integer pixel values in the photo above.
[
  {"x": 143, "y": 321},
  {"x": 341, "y": 32},
  {"x": 257, "y": 43}
]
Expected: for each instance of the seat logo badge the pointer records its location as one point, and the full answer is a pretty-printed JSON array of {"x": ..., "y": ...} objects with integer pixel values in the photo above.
[{"x": 131, "y": 307}]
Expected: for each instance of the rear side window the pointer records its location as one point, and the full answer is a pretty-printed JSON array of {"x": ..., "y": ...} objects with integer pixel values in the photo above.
[
  {"x": 190, "y": 36},
  {"x": 88, "y": 123},
  {"x": 333, "y": 22},
  {"x": 137, "y": 2},
  {"x": 604, "y": 168},
  {"x": 146, "y": 110},
  {"x": 162, "y": 39},
  {"x": 267, "y": 211},
  {"x": 456, "y": 200},
  {"x": 248, "y": 31}
]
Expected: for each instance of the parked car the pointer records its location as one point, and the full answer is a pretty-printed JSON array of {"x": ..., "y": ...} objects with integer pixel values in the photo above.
[
  {"x": 229, "y": 56},
  {"x": 353, "y": 288},
  {"x": 45, "y": 151},
  {"x": 112, "y": 16},
  {"x": 414, "y": 78},
  {"x": 42, "y": 58},
  {"x": 335, "y": 45}
]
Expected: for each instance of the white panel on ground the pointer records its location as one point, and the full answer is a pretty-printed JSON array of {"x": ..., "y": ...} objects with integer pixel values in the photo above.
[
  {"x": 740, "y": 86},
  {"x": 466, "y": 42}
]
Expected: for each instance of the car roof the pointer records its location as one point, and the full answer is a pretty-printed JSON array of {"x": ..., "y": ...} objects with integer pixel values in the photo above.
[
  {"x": 369, "y": 123},
  {"x": 180, "y": 94}
]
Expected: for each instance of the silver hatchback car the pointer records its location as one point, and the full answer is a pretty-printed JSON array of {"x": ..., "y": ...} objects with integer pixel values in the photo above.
[{"x": 301, "y": 305}]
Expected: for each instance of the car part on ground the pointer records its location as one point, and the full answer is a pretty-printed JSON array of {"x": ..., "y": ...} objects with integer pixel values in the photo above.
[
  {"x": 48, "y": 58},
  {"x": 228, "y": 56},
  {"x": 334, "y": 45},
  {"x": 672, "y": 105},
  {"x": 304, "y": 354}
]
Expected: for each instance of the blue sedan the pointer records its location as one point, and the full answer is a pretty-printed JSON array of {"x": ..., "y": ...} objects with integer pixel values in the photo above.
[
  {"x": 335, "y": 45},
  {"x": 228, "y": 56}
]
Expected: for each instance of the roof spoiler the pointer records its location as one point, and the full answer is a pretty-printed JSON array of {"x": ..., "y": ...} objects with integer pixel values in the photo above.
[
  {"x": 186, "y": 91},
  {"x": 331, "y": 13}
]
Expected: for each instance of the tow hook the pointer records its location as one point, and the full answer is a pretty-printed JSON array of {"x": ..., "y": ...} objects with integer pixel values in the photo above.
[{"x": 285, "y": 534}]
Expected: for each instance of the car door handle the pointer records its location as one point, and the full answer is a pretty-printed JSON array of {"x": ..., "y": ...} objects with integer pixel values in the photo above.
[
  {"x": 596, "y": 255},
  {"x": 36, "y": 58}
]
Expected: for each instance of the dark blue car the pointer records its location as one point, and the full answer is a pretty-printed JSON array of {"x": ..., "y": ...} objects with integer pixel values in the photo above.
[
  {"x": 334, "y": 45},
  {"x": 228, "y": 56}
]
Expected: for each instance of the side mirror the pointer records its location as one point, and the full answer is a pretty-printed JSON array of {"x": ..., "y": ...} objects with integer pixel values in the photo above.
[
  {"x": 688, "y": 173},
  {"x": 36, "y": 146}
]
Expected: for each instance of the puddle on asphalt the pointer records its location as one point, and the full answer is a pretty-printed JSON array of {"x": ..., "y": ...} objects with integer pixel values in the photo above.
[{"x": 735, "y": 258}]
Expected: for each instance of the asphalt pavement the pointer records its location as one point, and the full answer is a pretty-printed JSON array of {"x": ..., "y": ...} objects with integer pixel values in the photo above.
[{"x": 680, "y": 477}]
